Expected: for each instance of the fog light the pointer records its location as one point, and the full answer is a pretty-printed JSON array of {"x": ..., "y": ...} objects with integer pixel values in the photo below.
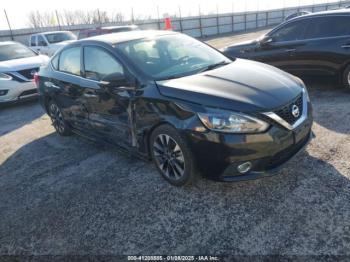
[
  {"x": 244, "y": 168},
  {"x": 3, "y": 92}
]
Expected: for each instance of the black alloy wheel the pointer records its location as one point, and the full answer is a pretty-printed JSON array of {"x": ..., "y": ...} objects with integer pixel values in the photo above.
[
  {"x": 171, "y": 156},
  {"x": 58, "y": 122}
]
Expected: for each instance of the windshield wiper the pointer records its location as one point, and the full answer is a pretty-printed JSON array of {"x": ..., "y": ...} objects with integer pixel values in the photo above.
[
  {"x": 207, "y": 68},
  {"x": 173, "y": 77},
  {"x": 213, "y": 66}
]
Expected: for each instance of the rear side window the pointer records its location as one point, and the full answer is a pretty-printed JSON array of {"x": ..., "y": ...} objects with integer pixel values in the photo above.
[
  {"x": 69, "y": 61},
  {"x": 330, "y": 26},
  {"x": 33, "y": 40},
  {"x": 99, "y": 63},
  {"x": 290, "y": 32}
]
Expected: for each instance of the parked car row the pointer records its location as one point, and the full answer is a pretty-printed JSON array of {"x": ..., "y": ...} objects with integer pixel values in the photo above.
[{"x": 190, "y": 108}]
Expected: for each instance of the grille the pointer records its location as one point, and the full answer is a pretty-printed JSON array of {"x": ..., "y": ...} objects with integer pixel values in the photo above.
[
  {"x": 27, "y": 73},
  {"x": 286, "y": 111}
]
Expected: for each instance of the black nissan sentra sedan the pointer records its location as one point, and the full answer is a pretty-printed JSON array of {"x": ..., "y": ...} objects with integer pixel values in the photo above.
[
  {"x": 316, "y": 44},
  {"x": 177, "y": 101}
]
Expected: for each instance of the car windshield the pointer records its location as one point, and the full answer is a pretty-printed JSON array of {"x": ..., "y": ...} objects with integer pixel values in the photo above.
[
  {"x": 15, "y": 51},
  {"x": 171, "y": 56},
  {"x": 59, "y": 37}
]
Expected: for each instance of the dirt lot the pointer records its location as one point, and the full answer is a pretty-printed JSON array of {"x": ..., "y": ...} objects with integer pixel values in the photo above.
[{"x": 69, "y": 196}]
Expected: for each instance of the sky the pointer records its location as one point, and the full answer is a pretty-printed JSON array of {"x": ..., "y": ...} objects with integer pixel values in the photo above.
[{"x": 17, "y": 10}]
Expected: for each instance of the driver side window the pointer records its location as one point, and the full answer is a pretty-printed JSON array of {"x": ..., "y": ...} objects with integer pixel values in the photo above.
[
  {"x": 290, "y": 32},
  {"x": 99, "y": 63}
]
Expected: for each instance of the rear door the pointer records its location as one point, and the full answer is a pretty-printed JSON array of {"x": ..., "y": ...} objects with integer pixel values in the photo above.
[
  {"x": 326, "y": 46},
  {"x": 280, "y": 49},
  {"x": 109, "y": 110},
  {"x": 67, "y": 85}
]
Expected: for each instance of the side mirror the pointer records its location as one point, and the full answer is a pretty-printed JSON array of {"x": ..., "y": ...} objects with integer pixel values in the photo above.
[
  {"x": 116, "y": 81},
  {"x": 267, "y": 40}
]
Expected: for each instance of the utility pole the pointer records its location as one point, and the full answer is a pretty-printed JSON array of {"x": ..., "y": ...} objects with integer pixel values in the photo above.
[
  {"x": 99, "y": 17},
  {"x": 180, "y": 19},
  {"x": 8, "y": 22},
  {"x": 132, "y": 15},
  {"x": 58, "y": 20},
  {"x": 158, "y": 17},
  {"x": 200, "y": 20}
]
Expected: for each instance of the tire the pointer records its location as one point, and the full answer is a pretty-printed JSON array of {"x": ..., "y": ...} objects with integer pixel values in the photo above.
[
  {"x": 60, "y": 125},
  {"x": 172, "y": 156},
  {"x": 346, "y": 77}
]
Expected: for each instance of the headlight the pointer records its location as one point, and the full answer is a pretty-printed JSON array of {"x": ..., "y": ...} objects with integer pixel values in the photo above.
[
  {"x": 229, "y": 122},
  {"x": 5, "y": 77}
]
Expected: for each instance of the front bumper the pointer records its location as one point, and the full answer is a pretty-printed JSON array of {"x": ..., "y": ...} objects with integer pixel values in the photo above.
[
  {"x": 17, "y": 91},
  {"x": 218, "y": 154},
  {"x": 269, "y": 166}
]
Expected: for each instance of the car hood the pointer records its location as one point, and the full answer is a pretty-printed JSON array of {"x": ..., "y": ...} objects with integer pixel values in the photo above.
[
  {"x": 237, "y": 47},
  {"x": 23, "y": 63},
  {"x": 243, "y": 85}
]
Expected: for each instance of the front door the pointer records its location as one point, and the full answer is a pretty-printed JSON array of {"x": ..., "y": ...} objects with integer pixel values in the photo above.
[
  {"x": 109, "y": 109},
  {"x": 279, "y": 46}
]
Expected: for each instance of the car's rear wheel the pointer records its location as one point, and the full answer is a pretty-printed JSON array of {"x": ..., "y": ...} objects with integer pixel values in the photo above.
[
  {"x": 346, "y": 77},
  {"x": 57, "y": 119},
  {"x": 172, "y": 156}
]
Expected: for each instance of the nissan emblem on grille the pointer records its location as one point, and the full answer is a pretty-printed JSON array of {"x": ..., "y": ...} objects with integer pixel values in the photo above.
[{"x": 295, "y": 111}]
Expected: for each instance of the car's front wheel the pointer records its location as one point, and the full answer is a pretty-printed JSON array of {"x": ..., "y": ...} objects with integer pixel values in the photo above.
[
  {"x": 172, "y": 156},
  {"x": 57, "y": 119}
]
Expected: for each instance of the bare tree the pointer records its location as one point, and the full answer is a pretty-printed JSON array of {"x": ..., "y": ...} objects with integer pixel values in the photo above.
[
  {"x": 73, "y": 17},
  {"x": 117, "y": 17},
  {"x": 37, "y": 19}
]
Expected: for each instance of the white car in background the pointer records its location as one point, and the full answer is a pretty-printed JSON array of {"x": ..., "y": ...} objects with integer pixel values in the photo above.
[
  {"x": 18, "y": 65},
  {"x": 48, "y": 43}
]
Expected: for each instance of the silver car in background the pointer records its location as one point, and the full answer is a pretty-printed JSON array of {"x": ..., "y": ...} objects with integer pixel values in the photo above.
[
  {"x": 18, "y": 65},
  {"x": 48, "y": 43}
]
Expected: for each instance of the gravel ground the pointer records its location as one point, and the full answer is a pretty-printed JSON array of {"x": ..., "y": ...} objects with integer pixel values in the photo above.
[{"x": 66, "y": 195}]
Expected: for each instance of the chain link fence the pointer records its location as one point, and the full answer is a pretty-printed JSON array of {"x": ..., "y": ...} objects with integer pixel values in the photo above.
[{"x": 200, "y": 26}]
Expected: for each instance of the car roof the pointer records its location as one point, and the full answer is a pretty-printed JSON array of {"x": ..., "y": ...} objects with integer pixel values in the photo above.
[
  {"x": 120, "y": 37},
  {"x": 7, "y": 43},
  {"x": 107, "y": 28},
  {"x": 326, "y": 13},
  {"x": 119, "y": 26},
  {"x": 51, "y": 32}
]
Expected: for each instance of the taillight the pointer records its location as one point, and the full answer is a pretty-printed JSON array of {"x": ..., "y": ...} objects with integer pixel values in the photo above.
[{"x": 36, "y": 79}]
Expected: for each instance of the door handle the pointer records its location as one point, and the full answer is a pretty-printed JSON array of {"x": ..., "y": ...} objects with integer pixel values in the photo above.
[
  {"x": 345, "y": 46},
  {"x": 90, "y": 94},
  {"x": 291, "y": 50}
]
